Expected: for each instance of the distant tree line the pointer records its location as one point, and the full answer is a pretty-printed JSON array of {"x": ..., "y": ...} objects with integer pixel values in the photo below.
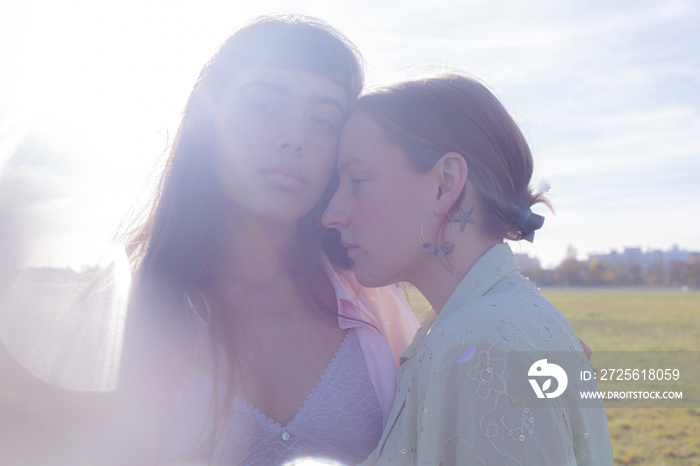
[{"x": 572, "y": 272}]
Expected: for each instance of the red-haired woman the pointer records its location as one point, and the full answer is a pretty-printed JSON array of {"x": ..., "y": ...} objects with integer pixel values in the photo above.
[
  {"x": 248, "y": 339},
  {"x": 434, "y": 176}
]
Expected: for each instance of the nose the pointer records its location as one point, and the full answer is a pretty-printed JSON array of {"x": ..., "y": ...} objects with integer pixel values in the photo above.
[
  {"x": 291, "y": 139},
  {"x": 335, "y": 215},
  {"x": 291, "y": 145}
]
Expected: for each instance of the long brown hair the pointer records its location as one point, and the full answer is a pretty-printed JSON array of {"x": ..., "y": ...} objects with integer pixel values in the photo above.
[
  {"x": 452, "y": 113},
  {"x": 177, "y": 250}
]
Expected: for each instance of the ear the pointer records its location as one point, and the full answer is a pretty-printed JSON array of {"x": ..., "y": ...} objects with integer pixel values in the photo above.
[{"x": 451, "y": 172}]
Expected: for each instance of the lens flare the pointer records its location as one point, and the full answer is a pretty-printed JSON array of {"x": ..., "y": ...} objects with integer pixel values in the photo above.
[{"x": 67, "y": 328}]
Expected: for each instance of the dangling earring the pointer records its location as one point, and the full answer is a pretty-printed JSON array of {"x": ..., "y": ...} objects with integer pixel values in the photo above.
[{"x": 437, "y": 249}]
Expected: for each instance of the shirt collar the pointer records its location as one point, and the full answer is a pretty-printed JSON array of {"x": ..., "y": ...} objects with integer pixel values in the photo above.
[
  {"x": 496, "y": 263},
  {"x": 347, "y": 292},
  {"x": 484, "y": 274}
]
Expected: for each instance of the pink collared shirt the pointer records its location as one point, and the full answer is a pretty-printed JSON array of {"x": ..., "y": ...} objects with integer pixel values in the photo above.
[
  {"x": 382, "y": 345},
  {"x": 381, "y": 326}
]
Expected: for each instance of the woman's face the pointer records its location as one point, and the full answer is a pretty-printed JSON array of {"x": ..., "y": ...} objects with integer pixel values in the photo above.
[
  {"x": 278, "y": 133},
  {"x": 379, "y": 206}
]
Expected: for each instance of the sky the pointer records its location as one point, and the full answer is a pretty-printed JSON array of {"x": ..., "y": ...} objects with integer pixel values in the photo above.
[{"x": 607, "y": 94}]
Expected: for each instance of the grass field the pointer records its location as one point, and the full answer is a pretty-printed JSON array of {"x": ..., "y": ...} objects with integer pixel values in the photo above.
[{"x": 637, "y": 320}]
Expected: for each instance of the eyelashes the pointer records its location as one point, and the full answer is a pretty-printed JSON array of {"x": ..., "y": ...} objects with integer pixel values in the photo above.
[{"x": 323, "y": 123}]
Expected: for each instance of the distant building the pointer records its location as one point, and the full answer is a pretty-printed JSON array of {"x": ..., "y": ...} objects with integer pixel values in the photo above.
[
  {"x": 645, "y": 260},
  {"x": 676, "y": 254},
  {"x": 48, "y": 275}
]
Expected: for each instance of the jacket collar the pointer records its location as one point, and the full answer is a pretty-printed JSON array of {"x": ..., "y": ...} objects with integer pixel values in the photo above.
[
  {"x": 486, "y": 272},
  {"x": 496, "y": 263}
]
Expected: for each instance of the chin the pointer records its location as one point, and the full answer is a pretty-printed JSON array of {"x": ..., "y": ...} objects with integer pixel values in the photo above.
[
  {"x": 369, "y": 279},
  {"x": 283, "y": 216}
]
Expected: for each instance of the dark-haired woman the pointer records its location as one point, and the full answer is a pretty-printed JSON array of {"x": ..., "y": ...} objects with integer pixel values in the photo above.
[
  {"x": 434, "y": 177},
  {"x": 248, "y": 339}
]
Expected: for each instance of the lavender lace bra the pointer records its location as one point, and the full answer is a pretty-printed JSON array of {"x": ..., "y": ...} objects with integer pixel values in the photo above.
[{"x": 341, "y": 420}]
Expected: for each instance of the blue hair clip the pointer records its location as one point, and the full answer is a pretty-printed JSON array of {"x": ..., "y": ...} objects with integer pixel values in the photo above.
[{"x": 528, "y": 223}]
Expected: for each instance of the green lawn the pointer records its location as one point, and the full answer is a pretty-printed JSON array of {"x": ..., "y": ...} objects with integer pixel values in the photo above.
[
  {"x": 639, "y": 321},
  {"x": 632, "y": 320}
]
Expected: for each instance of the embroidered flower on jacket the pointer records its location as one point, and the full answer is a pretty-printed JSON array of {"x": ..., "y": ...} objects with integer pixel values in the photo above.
[
  {"x": 487, "y": 374},
  {"x": 510, "y": 330}
]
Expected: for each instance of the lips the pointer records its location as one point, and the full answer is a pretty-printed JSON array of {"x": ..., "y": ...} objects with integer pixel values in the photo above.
[
  {"x": 350, "y": 247},
  {"x": 285, "y": 176}
]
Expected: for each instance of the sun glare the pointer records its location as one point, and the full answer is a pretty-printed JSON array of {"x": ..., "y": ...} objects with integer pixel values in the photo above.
[{"x": 67, "y": 329}]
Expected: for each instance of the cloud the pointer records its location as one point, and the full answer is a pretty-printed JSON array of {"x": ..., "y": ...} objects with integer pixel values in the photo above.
[
  {"x": 39, "y": 190},
  {"x": 605, "y": 92},
  {"x": 36, "y": 176}
]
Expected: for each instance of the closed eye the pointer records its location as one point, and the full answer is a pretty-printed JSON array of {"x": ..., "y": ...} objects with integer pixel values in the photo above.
[{"x": 323, "y": 123}]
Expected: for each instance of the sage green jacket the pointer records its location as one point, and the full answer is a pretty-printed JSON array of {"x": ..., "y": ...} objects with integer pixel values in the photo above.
[{"x": 464, "y": 395}]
